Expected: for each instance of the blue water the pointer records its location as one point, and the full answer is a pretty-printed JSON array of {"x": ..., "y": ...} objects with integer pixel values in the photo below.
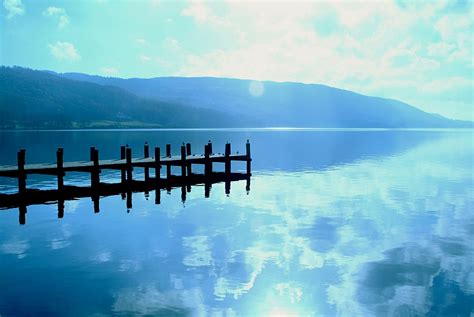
[{"x": 337, "y": 222}]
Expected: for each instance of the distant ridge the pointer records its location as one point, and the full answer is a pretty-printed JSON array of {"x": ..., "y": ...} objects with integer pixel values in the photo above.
[
  {"x": 281, "y": 104},
  {"x": 32, "y": 99}
]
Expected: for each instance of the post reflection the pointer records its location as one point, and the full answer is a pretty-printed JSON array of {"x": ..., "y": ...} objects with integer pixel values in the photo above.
[
  {"x": 95, "y": 200},
  {"x": 60, "y": 209},
  {"x": 127, "y": 195},
  {"x": 183, "y": 194},
  {"x": 129, "y": 201},
  {"x": 207, "y": 190},
  {"x": 22, "y": 214}
]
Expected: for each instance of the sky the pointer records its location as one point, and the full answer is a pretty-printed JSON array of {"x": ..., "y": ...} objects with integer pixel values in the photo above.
[{"x": 418, "y": 52}]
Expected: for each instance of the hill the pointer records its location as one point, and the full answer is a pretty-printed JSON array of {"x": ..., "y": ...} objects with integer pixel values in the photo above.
[
  {"x": 37, "y": 99},
  {"x": 281, "y": 104}
]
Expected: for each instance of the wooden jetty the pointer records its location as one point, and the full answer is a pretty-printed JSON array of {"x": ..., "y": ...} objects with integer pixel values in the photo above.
[{"x": 127, "y": 185}]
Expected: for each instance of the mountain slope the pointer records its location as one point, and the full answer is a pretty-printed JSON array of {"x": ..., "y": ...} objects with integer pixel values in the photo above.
[
  {"x": 37, "y": 99},
  {"x": 281, "y": 104}
]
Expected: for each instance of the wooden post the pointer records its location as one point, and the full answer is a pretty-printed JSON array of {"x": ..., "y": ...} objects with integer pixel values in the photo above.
[
  {"x": 157, "y": 175},
  {"x": 122, "y": 170},
  {"x": 227, "y": 159},
  {"x": 183, "y": 160},
  {"x": 207, "y": 162},
  {"x": 60, "y": 168},
  {"x": 168, "y": 166},
  {"x": 21, "y": 171},
  {"x": 209, "y": 143},
  {"x": 95, "y": 180},
  {"x": 92, "y": 154},
  {"x": 157, "y": 167},
  {"x": 207, "y": 170},
  {"x": 249, "y": 160},
  {"x": 92, "y": 150},
  {"x": 188, "y": 153},
  {"x": 128, "y": 154},
  {"x": 146, "y": 154}
]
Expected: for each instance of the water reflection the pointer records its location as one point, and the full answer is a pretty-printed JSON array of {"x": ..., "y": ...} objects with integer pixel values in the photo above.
[
  {"x": 126, "y": 194},
  {"x": 387, "y": 234}
]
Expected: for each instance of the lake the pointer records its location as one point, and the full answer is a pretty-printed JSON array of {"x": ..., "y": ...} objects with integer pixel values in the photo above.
[{"x": 336, "y": 222}]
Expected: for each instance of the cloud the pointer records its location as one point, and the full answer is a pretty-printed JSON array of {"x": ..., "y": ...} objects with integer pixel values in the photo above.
[
  {"x": 172, "y": 43},
  {"x": 440, "y": 49},
  {"x": 364, "y": 46},
  {"x": 202, "y": 13},
  {"x": 141, "y": 41},
  {"x": 110, "y": 71},
  {"x": 64, "y": 51},
  {"x": 14, "y": 7},
  {"x": 144, "y": 58},
  {"x": 456, "y": 33},
  {"x": 59, "y": 13}
]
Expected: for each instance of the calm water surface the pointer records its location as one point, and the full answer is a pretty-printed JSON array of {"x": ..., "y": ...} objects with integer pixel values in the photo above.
[{"x": 353, "y": 223}]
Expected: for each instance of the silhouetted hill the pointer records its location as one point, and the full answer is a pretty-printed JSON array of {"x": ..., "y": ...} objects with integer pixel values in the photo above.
[
  {"x": 38, "y": 99},
  {"x": 281, "y": 104}
]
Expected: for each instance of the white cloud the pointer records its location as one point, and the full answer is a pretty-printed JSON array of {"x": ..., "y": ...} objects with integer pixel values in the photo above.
[
  {"x": 366, "y": 46},
  {"x": 449, "y": 26},
  {"x": 144, "y": 58},
  {"x": 451, "y": 84},
  {"x": 110, "y": 71},
  {"x": 50, "y": 11},
  {"x": 13, "y": 7},
  {"x": 64, "y": 51},
  {"x": 63, "y": 21},
  {"x": 456, "y": 32},
  {"x": 440, "y": 49},
  {"x": 172, "y": 43},
  {"x": 59, "y": 13},
  {"x": 161, "y": 62},
  {"x": 141, "y": 41},
  {"x": 202, "y": 13}
]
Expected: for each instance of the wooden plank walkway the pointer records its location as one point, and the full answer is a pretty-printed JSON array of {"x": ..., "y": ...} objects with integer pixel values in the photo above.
[
  {"x": 118, "y": 164},
  {"x": 127, "y": 185},
  {"x": 125, "y": 164}
]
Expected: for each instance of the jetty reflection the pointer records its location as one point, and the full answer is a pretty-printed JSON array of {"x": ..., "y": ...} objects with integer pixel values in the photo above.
[{"x": 38, "y": 197}]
